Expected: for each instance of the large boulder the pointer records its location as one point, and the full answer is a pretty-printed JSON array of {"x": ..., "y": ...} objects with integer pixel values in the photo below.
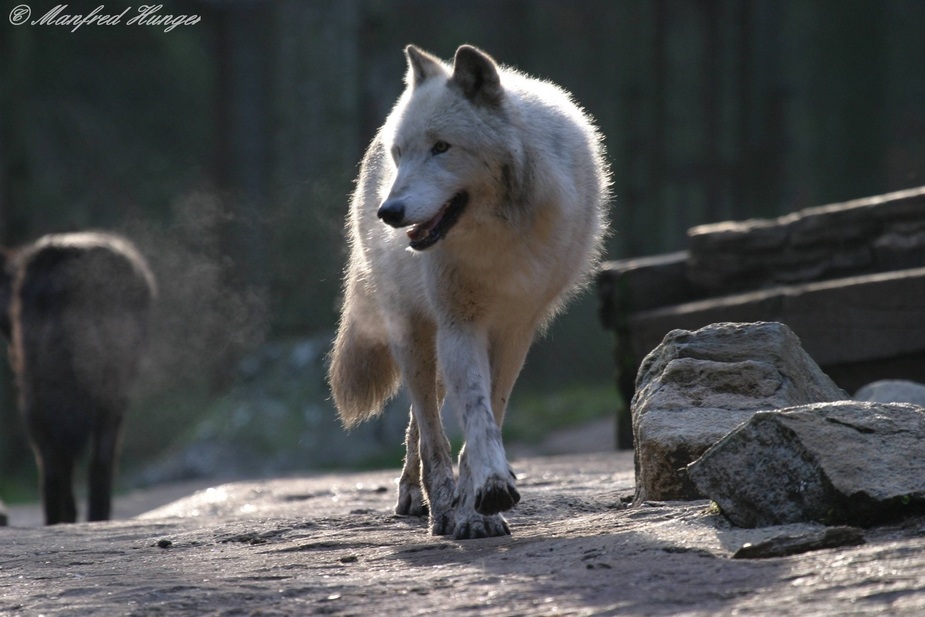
[
  {"x": 698, "y": 386},
  {"x": 850, "y": 462},
  {"x": 892, "y": 391}
]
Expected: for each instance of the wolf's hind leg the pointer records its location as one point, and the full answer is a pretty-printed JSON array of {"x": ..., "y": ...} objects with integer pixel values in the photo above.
[{"x": 508, "y": 353}]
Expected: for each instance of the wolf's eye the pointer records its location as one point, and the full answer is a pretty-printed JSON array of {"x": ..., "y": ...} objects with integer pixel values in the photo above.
[
  {"x": 439, "y": 148},
  {"x": 396, "y": 153}
]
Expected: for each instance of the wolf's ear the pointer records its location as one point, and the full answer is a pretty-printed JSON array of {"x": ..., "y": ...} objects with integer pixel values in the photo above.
[
  {"x": 421, "y": 66},
  {"x": 476, "y": 74}
]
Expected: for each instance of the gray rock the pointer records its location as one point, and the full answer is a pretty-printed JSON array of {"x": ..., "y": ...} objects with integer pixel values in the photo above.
[
  {"x": 786, "y": 545},
  {"x": 850, "y": 462},
  {"x": 696, "y": 387},
  {"x": 893, "y": 391}
]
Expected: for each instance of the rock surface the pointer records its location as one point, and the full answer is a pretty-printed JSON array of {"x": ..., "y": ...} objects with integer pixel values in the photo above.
[
  {"x": 893, "y": 391},
  {"x": 329, "y": 544},
  {"x": 835, "y": 463},
  {"x": 785, "y": 545},
  {"x": 696, "y": 387}
]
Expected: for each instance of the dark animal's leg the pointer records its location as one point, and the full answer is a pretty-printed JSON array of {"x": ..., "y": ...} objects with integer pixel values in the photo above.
[
  {"x": 56, "y": 471},
  {"x": 103, "y": 467}
]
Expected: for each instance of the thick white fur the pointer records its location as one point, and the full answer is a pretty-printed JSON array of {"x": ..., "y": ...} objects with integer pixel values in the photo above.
[{"x": 457, "y": 319}]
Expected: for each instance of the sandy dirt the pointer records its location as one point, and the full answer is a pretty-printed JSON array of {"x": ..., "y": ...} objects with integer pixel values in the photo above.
[{"x": 329, "y": 544}]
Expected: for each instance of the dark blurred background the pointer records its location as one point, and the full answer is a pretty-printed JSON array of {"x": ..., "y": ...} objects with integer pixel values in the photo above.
[{"x": 227, "y": 149}]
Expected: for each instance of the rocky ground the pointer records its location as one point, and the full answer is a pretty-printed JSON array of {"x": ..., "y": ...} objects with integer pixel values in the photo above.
[{"x": 329, "y": 544}]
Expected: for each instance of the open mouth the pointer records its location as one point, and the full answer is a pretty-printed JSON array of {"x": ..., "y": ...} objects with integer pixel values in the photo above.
[{"x": 425, "y": 235}]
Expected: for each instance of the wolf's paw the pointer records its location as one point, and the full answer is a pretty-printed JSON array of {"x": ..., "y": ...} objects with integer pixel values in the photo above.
[
  {"x": 442, "y": 506},
  {"x": 443, "y": 524},
  {"x": 478, "y": 526},
  {"x": 496, "y": 495},
  {"x": 410, "y": 501}
]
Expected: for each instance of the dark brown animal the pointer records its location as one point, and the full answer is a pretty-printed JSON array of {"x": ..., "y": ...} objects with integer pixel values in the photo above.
[{"x": 78, "y": 315}]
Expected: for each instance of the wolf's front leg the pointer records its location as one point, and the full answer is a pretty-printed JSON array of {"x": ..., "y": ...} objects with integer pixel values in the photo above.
[
  {"x": 436, "y": 470},
  {"x": 473, "y": 518},
  {"x": 410, "y": 495},
  {"x": 426, "y": 483},
  {"x": 486, "y": 484},
  {"x": 428, "y": 487}
]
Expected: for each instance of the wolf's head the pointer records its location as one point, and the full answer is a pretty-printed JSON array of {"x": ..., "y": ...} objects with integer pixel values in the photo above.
[{"x": 440, "y": 137}]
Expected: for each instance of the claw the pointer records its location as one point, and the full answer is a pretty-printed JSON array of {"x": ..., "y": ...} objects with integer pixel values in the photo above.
[
  {"x": 496, "y": 497},
  {"x": 443, "y": 525},
  {"x": 410, "y": 502},
  {"x": 481, "y": 527}
]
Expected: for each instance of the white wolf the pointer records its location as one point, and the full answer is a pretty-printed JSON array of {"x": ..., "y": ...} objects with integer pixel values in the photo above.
[{"x": 501, "y": 182}]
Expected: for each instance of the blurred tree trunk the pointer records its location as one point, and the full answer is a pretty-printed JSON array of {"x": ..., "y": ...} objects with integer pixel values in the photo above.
[
  {"x": 242, "y": 160},
  {"x": 742, "y": 58},
  {"x": 242, "y": 116},
  {"x": 15, "y": 88},
  {"x": 15, "y": 91}
]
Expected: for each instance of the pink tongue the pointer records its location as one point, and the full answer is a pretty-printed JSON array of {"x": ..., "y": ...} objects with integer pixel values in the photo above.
[
  {"x": 422, "y": 230},
  {"x": 416, "y": 233}
]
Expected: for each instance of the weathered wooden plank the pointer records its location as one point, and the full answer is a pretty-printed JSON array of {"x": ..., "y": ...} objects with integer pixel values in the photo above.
[
  {"x": 643, "y": 283},
  {"x": 856, "y": 319},
  {"x": 864, "y": 236}
]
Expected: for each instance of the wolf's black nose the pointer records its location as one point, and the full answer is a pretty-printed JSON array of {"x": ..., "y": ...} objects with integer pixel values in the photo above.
[{"x": 392, "y": 212}]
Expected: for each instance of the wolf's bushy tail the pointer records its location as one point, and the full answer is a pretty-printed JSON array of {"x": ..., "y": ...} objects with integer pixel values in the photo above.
[{"x": 363, "y": 373}]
